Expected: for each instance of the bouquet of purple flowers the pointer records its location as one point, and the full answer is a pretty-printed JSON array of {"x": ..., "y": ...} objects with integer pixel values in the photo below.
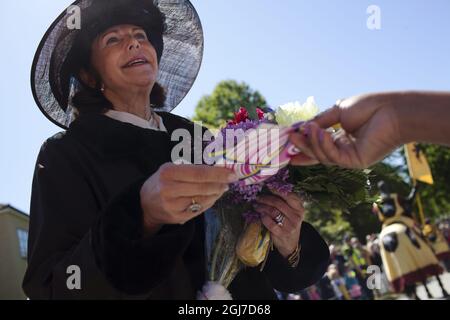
[{"x": 255, "y": 144}]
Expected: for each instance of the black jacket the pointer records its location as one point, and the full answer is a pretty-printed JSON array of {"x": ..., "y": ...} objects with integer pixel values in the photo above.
[{"x": 85, "y": 211}]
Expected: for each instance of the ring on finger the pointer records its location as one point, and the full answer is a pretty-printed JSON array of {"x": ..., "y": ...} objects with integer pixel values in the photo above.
[
  {"x": 194, "y": 207},
  {"x": 279, "y": 219}
]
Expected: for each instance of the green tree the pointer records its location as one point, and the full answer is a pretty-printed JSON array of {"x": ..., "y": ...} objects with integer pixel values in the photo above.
[
  {"x": 362, "y": 221},
  {"x": 331, "y": 224},
  {"x": 436, "y": 197},
  {"x": 228, "y": 96}
]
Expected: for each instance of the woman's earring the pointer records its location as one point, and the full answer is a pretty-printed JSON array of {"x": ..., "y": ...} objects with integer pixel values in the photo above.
[{"x": 102, "y": 89}]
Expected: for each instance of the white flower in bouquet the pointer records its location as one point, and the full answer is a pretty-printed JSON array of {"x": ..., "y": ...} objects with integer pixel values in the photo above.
[{"x": 294, "y": 112}]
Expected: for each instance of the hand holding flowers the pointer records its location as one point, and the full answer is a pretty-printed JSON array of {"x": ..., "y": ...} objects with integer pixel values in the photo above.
[{"x": 285, "y": 236}]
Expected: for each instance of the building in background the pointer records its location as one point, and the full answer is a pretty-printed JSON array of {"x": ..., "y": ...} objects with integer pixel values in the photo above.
[{"x": 13, "y": 251}]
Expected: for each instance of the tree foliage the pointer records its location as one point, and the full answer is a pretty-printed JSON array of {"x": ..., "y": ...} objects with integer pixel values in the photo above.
[
  {"x": 436, "y": 197},
  {"x": 228, "y": 96}
]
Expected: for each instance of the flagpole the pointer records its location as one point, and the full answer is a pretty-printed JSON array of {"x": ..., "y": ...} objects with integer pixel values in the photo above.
[{"x": 419, "y": 204}]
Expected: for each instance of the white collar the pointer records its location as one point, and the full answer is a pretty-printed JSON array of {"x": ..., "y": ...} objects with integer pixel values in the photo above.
[{"x": 155, "y": 123}]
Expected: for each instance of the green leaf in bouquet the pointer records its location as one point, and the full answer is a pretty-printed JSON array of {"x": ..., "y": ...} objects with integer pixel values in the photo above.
[
  {"x": 331, "y": 187},
  {"x": 252, "y": 114}
]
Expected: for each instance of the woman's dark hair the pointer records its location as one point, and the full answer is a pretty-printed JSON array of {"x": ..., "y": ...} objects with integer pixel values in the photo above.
[{"x": 92, "y": 100}]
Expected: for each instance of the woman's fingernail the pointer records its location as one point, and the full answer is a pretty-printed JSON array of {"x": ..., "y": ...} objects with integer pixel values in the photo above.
[{"x": 298, "y": 126}]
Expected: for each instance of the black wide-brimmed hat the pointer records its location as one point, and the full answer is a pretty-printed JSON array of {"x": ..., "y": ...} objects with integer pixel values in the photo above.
[{"x": 179, "y": 49}]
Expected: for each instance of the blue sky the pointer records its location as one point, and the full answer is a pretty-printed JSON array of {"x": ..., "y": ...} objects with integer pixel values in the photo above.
[{"x": 287, "y": 49}]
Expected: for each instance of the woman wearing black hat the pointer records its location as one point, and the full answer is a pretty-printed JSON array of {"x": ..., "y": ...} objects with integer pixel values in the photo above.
[{"x": 108, "y": 205}]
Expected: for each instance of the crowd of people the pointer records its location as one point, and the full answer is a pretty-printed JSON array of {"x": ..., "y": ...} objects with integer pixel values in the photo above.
[
  {"x": 444, "y": 227},
  {"x": 438, "y": 235},
  {"x": 347, "y": 277},
  {"x": 347, "y": 273}
]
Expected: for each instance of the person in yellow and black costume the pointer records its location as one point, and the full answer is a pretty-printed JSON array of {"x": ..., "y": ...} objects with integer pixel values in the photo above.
[
  {"x": 406, "y": 255},
  {"x": 437, "y": 241}
]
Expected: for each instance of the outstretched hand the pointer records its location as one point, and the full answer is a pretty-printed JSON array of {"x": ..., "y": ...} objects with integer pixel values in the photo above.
[{"x": 369, "y": 131}]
